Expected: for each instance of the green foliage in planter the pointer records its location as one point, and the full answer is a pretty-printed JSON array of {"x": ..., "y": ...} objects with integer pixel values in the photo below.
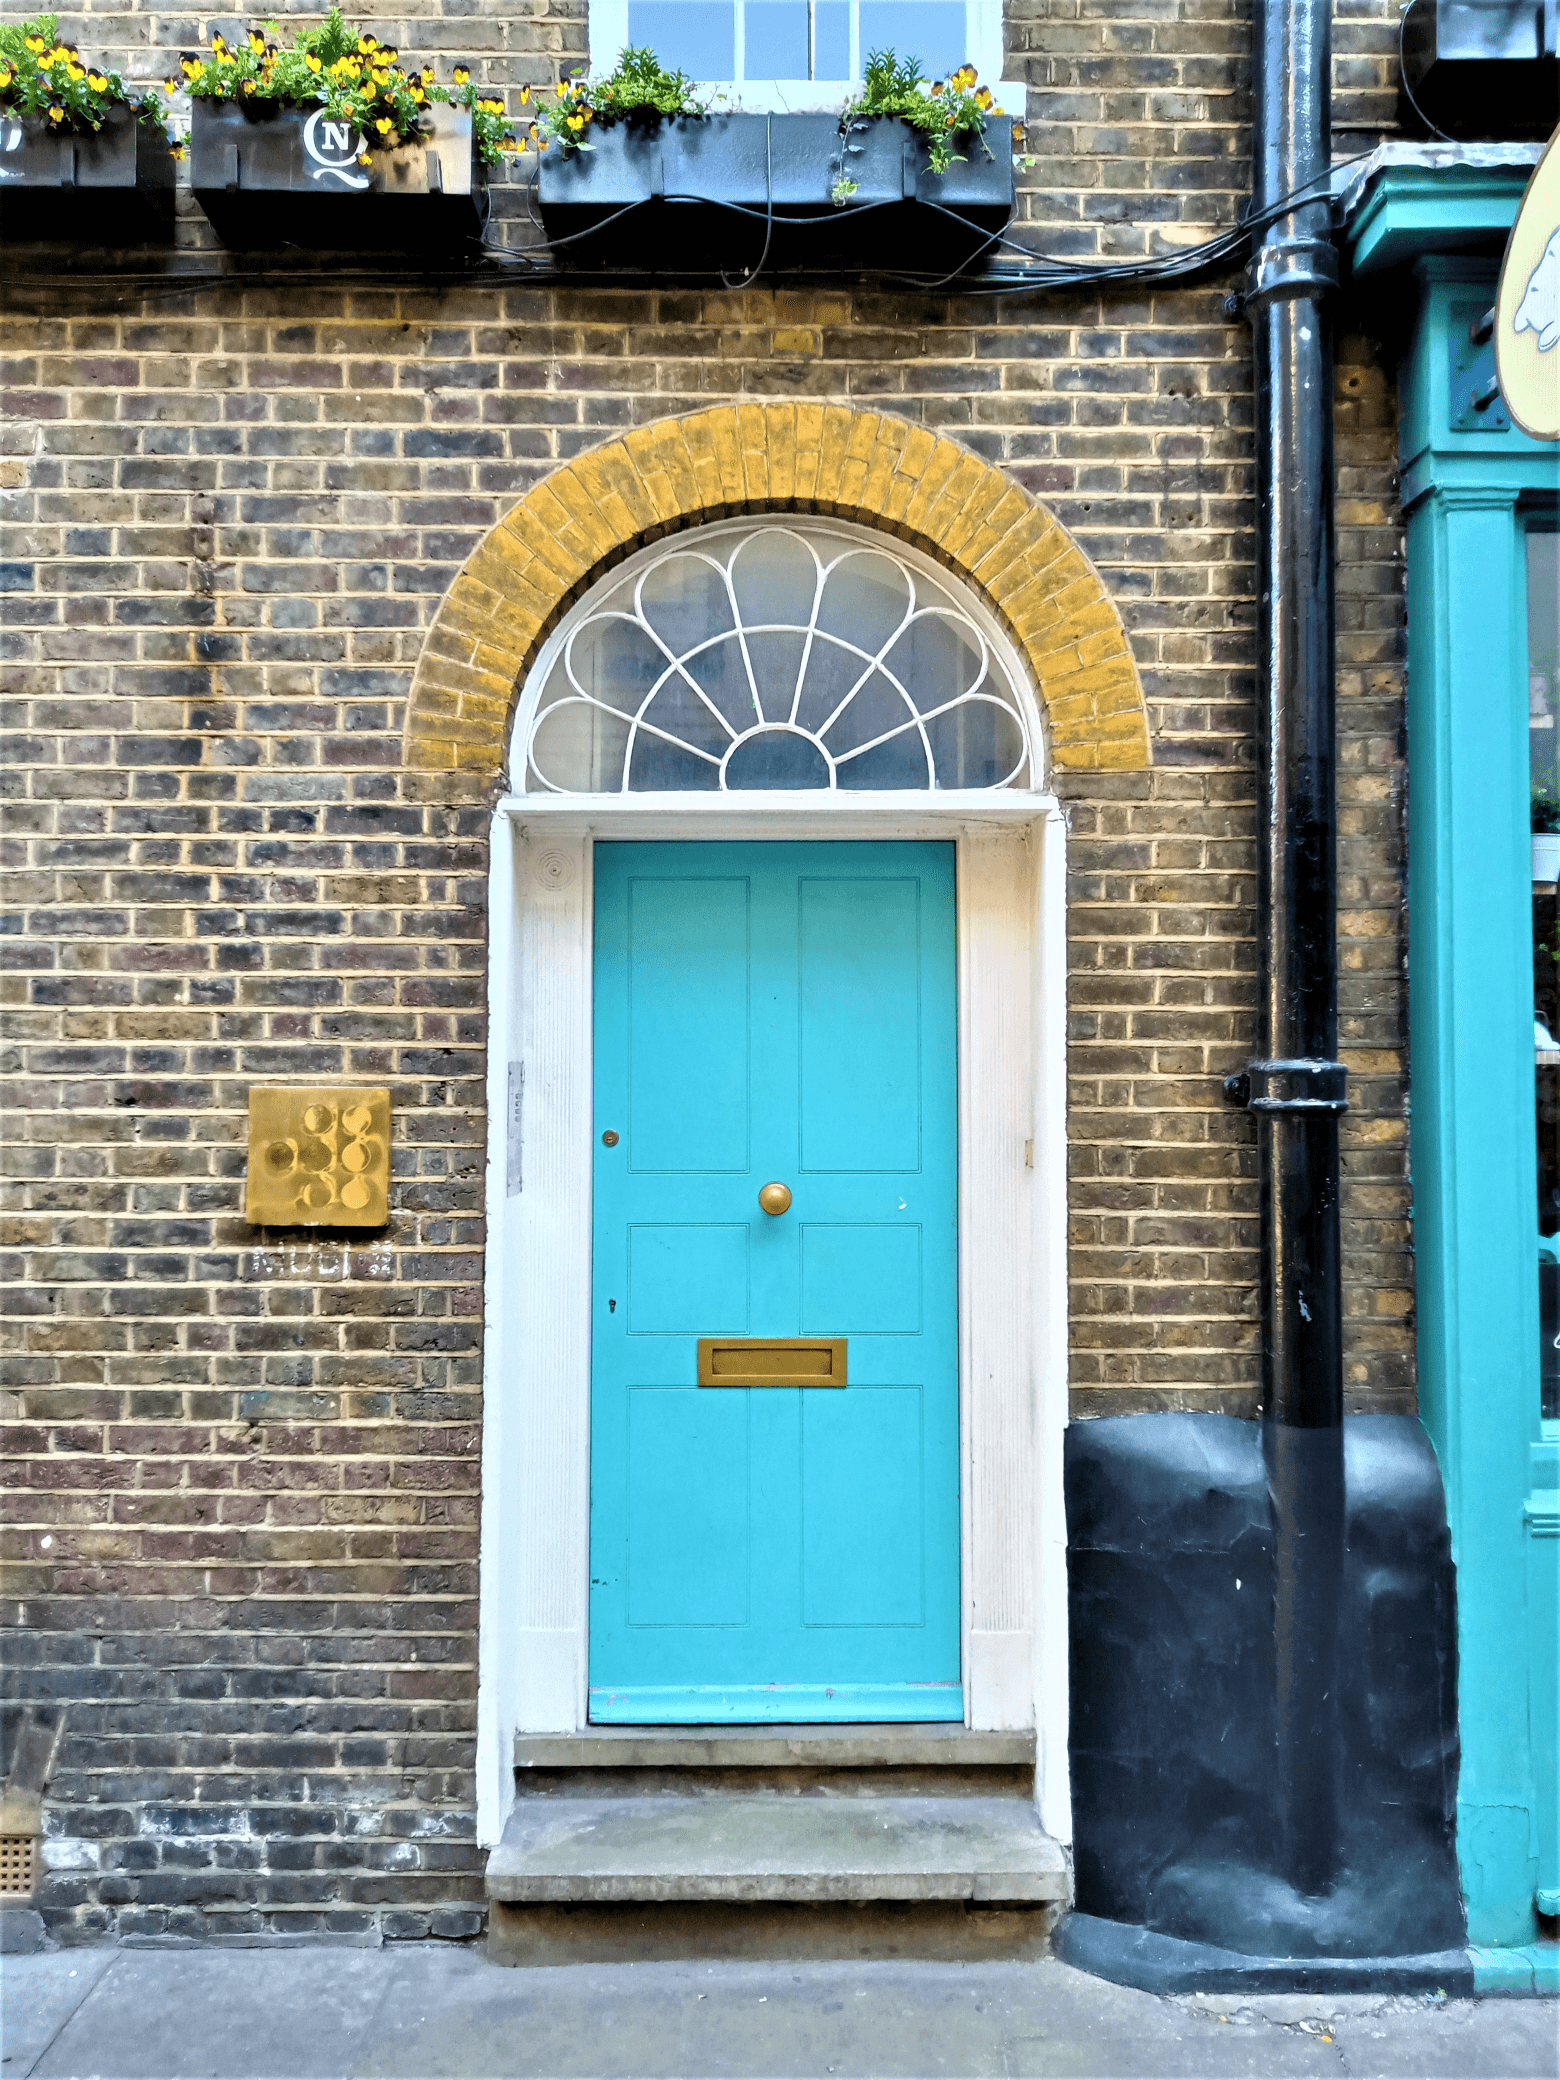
[
  {"x": 354, "y": 78},
  {"x": 42, "y": 76},
  {"x": 1546, "y": 812},
  {"x": 947, "y": 113},
  {"x": 638, "y": 90}
]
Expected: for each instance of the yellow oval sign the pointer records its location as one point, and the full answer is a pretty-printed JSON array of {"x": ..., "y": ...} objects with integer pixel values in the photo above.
[{"x": 1527, "y": 305}]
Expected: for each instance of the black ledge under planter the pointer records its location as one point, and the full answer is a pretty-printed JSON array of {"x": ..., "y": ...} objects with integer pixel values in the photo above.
[
  {"x": 291, "y": 177},
  {"x": 108, "y": 187},
  {"x": 704, "y": 187}
]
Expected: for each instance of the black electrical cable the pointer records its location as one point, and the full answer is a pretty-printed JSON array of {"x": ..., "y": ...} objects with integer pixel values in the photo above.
[
  {"x": 1049, "y": 275},
  {"x": 769, "y": 210},
  {"x": 1413, "y": 99}
]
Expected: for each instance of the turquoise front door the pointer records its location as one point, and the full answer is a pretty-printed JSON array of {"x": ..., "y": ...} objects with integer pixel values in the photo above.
[{"x": 780, "y": 1014}]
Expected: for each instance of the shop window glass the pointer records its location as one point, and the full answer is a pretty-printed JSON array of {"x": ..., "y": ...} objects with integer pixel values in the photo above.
[
  {"x": 1543, "y": 592},
  {"x": 777, "y": 655}
]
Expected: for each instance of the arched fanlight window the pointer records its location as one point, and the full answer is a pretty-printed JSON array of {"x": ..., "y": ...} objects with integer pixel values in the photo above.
[{"x": 789, "y": 653}]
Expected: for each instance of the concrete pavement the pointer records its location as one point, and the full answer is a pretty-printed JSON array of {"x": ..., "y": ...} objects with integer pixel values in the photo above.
[{"x": 424, "y": 2010}]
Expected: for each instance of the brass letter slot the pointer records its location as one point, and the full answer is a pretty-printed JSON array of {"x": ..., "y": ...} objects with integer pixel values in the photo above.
[{"x": 771, "y": 1361}]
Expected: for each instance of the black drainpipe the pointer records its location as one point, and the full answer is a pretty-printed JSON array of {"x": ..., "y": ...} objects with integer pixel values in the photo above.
[{"x": 1295, "y": 1086}]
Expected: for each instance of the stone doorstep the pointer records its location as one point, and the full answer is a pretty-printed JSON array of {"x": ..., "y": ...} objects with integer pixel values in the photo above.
[
  {"x": 774, "y": 1747},
  {"x": 799, "y": 1850}
]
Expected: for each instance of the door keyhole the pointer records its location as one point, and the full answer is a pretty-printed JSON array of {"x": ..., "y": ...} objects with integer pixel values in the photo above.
[{"x": 611, "y": 1307}]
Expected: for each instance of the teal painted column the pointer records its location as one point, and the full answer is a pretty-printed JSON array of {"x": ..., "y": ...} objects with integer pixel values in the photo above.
[
  {"x": 1471, "y": 489},
  {"x": 1475, "y": 1207}
]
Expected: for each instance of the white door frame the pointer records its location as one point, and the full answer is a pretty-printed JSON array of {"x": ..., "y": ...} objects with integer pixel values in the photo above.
[{"x": 534, "y": 1622}]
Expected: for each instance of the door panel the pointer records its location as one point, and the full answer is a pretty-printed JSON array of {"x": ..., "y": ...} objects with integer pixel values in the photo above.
[
  {"x": 782, "y": 1012},
  {"x": 688, "y": 955},
  {"x": 690, "y": 1280},
  {"x": 863, "y": 1508},
  {"x": 687, "y": 1537},
  {"x": 860, "y": 987},
  {"x": 860, "y": 1279}
]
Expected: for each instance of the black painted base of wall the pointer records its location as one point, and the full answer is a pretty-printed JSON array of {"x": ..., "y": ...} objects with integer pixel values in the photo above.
[
  {"x": 1177, "y": 1829},
  {"x": 1166, "y": 1964}
]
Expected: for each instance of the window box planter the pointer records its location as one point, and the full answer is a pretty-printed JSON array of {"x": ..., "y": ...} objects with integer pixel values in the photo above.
[
  {"x": 694, "y": 175},
  {"x": 112, "y": 186},
  {"x": 290, "y": 177}
]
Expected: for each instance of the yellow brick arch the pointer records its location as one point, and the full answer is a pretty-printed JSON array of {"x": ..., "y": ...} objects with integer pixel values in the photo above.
[{"x": 805, "y": 457}]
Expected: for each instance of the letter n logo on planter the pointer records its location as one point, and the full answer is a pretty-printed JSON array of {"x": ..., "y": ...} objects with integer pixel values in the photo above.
[{"x": 334, "y": 148}]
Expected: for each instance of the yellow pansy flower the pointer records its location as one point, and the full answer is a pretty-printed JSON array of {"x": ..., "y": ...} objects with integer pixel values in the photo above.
[
  {"x": 983, "y": 98},
  {"x": 576, "y": 122},
  {"x": 525, "y": 96},
  {"x": 56, "y": 113},
  {"x": 37, "y": 44},
  {"x": 462, "y": 74},
  {"x": 313, "y": 62},
  {"x": 384, "y": 126},
  {"x": 257, "y": 41},
  {"x": 98, "y": 82}
]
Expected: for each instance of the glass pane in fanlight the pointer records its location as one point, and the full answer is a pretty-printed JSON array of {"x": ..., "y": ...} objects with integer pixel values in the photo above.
[
  {"x": 937, "y": 658},
  {"x": 865, "y": 598},
  {"x": 557, "y": 688},
  {"x": 678, "y": 710},
  {"x": 934, "y": 31},
  {"x": 693, "y": 36},
  {"x": 977, "y": 744},
  {"x": 878, "y": 708},
  {"x": 776, "y": 40},
  {"x": 578, "y": 748},
  {"x": 613, "y": 660},
  {"x": 901, "y": 762},
  {"x": 655, "y": 766},
  {"x": 774, "y": 577},
  {"x": 684, "y": 599},
  {"x": 832, "y": 671},
  {"x": 776, "y": 758},
  {"x": 722, "y": 672},
  {"x": 776, "y": 660}
]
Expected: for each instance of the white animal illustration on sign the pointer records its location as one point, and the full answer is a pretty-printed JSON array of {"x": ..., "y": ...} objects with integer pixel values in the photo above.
[{"x": 1539, "y": 310}]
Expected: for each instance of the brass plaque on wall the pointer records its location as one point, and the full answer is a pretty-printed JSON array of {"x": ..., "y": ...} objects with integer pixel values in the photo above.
[
  {"x": 318, "y": 1158},
  {"x": 771, "y": 1361}
]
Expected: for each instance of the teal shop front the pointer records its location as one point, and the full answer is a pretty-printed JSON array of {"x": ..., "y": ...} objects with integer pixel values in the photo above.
[
  {"x": 775, "y": 1019},
  {"x": 1482, "y": 504}
]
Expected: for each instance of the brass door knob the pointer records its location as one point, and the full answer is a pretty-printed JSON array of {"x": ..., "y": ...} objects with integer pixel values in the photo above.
[{"x": 775, "y": 1198}]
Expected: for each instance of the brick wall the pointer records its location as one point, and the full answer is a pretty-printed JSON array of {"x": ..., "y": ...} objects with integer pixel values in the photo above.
[{"x": 242, "y": 1469}]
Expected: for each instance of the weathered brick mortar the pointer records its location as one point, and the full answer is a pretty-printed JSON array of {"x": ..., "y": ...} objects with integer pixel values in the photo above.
[{"x": 231, "y": 516}]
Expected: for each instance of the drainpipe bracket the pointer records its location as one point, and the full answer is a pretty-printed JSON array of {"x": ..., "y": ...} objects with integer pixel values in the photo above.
[
  {"x": 1299, "y": 1086},
  {"x": 1290, "y": 267}
]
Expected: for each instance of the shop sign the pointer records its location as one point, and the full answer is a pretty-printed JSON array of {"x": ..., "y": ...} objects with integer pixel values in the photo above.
[{"x": 1527, "y": 306}]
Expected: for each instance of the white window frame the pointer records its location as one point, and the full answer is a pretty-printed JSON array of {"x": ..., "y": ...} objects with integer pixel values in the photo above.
[{"x": 609, "y": 33}]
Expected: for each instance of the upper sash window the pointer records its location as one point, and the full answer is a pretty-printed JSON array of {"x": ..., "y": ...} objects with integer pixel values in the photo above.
[
  {"x": 776, "y": 654},
  {"x": 800, "y": 53}
]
